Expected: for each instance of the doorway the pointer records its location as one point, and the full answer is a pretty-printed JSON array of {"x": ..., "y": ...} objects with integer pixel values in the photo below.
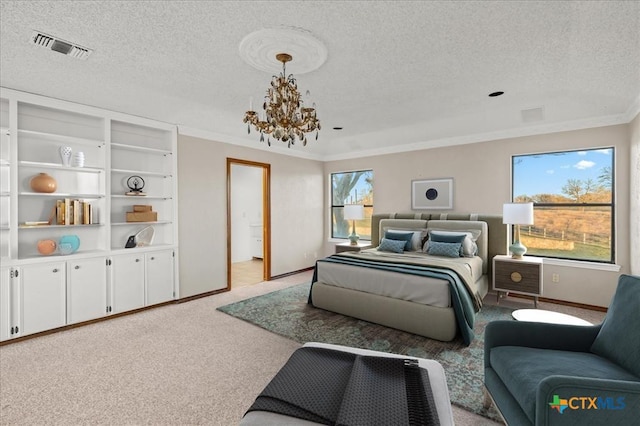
[{"x": 248, "y": 222}]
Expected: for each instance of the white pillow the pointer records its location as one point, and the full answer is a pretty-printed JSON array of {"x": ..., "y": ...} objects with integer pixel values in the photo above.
[
  {"x": 469, "y": 246},
  {"x": 416, "y": 238}
]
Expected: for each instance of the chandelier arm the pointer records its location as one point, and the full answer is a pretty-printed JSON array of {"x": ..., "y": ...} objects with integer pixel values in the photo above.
[{"x": 286, "y": 118}]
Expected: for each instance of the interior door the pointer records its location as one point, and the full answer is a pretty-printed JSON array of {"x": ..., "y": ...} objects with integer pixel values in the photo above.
[{"x": 264, "y": 194}]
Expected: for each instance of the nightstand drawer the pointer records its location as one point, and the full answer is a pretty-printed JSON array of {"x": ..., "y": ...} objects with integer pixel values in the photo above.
[{"x": 517, "y": 276}]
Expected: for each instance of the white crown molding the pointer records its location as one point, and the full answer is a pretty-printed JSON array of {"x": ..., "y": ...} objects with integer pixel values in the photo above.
[
  {"x": 253, "y": 143},
  {"x": 486, "y": 137},
  {"x": 633, "y": 109}
]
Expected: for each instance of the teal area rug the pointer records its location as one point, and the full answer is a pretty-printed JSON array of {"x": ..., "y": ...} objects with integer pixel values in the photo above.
[{"x": 286, "y": 312}]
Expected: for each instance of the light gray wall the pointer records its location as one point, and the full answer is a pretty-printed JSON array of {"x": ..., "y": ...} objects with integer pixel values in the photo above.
[
  {"x": 634, "y": 165},
  {"x": 482, "y": 183},
  {"x": 297, "y": 219}
]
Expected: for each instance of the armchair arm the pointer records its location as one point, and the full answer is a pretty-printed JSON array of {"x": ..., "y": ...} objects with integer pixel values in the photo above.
[
  {"x": 562, "y": 337},
  {"x": 587, "y": 401}
]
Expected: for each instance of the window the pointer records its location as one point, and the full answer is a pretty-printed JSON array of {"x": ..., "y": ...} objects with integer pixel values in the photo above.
[
  {"x": 572, "y": 192},
  {"x": 351, "y": 188}
]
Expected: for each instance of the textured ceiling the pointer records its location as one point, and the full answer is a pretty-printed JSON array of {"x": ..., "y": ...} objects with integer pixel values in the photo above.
[{"x": 398, "y": 76}]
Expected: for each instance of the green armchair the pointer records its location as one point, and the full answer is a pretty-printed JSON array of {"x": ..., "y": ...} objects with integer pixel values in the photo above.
[{"x": 552, "y": 374}]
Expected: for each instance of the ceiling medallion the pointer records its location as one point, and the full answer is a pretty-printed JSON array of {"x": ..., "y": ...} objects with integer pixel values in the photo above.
[{"x": 285, "y": 117}]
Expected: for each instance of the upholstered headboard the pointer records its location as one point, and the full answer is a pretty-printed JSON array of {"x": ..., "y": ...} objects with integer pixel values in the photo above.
[{"x": 497, "y": 231}]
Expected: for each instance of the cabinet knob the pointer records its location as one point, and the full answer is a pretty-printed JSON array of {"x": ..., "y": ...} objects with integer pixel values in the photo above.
[
  {"x": 137, "y": 260},
  {"x": 55, "y": 270},
  {"x": 516, "y": 277},
  {"x": 152, "y": 258},
  {"x": 77, "y": 266}
]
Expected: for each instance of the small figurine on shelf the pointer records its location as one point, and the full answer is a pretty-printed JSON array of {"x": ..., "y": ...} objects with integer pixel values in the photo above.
[{"x": 135, "y": 184}]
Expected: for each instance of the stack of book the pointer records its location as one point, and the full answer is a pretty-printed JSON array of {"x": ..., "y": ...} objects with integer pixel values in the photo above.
[{"x": 73, "y": 212}]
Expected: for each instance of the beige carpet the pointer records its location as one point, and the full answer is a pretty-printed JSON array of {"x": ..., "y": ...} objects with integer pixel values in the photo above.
[{"x": 175, "y": 365}]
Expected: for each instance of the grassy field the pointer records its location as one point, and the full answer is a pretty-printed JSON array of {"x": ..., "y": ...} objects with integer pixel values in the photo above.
[{"x": 589, "y": 229}]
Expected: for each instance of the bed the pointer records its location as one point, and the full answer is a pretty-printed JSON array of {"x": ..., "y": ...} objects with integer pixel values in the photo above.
[{"x": 430, "y": 295}]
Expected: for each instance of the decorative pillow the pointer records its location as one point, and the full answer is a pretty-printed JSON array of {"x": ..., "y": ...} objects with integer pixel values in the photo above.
[
  {"x": 400, "y": 236},
  {"x": 417, "y": 236},
  {"x": 447, "y": 237},
  {"x": 618, "y": 339},
  {"x": 437, "y": 248},
  {"x": 469, "y": 246},
  {"x": 394, "y": 246}
]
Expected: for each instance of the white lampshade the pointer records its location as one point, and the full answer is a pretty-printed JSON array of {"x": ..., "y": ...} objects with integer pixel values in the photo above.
[
  {"x": 517, "y": 213},
  {"x": 353, "y": 212}
]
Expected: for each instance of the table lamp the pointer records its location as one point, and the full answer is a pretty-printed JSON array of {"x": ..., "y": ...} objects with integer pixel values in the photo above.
[
  {"x": 354, "y": 212},
  {"x": 517, "y": 214}
]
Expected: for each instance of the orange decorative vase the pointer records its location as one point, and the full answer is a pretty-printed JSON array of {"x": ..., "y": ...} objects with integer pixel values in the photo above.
[
  {"x": 42, "y": 182},
  {"x": 46, "y": 247}
]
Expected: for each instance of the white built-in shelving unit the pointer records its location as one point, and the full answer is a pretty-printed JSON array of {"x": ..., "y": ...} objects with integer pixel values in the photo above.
[{"x": 42, "y": 292}]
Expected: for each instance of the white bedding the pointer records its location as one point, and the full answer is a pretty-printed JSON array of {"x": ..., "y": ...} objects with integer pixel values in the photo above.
[{"x": 423, "y": 290}]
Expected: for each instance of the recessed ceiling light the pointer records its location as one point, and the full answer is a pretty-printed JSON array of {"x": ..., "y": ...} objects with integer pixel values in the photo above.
[
  {"x": 494, "y": 94},
  {"x": 337, "y": 128}
]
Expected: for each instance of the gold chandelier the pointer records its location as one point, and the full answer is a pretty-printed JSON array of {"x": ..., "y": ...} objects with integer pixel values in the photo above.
[{"x": 285, "y": 117}]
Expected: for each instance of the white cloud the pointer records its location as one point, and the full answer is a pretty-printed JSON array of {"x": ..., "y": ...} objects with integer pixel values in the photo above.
[
  {"x": 550, "y": 172},
  {"x": 566, "y": 166},
  {"x": 584, "y": 164},
  {"x": 604, "y": 151},
  {"x": 581, "y": 153}
]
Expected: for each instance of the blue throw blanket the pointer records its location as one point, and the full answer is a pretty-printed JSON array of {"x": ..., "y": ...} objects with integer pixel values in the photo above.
[{"x": 464, "y": 304}]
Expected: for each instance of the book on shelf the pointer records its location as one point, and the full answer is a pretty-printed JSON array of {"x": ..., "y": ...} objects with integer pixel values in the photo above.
[
  {"x": 73, "y": 212},
  {"x": 75, "y": 209},
  {"x": 86, "y": 217}
]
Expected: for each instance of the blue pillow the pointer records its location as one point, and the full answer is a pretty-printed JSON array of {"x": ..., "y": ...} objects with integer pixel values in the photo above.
[
  {"x": 400, "y": 236},
  {"x": 448, "y": 237},
  {"x": 394, "y": 246},
  {"x": 618, "y": 339},
  {"x": 437, "y": 248}
]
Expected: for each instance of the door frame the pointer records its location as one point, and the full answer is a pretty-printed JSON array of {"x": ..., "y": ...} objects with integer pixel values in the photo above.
[{"x": 266, "y": 216}]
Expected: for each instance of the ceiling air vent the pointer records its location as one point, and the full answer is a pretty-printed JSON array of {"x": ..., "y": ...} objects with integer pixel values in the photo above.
[
  {"x": 65, "y": 47},
  {"x": 532, "y": 114}
]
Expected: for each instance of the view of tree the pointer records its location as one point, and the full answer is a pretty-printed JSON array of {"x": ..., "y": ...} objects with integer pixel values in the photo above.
[
  {"x": 606, "y": 177},
  {"x": 573, "y": 189},
  {"x": 343, "y": 192}
]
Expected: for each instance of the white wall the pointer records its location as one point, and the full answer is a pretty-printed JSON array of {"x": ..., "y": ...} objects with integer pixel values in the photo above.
[
  {"x": 246, "y": 208},
  {"x": 297, "y": 219},
  {"x": 634, "y": 228},
  {"x": 482, "y": 183}
]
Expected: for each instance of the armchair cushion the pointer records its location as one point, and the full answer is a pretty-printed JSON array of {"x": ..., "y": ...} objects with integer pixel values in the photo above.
[
  {"x": 526, "y": 368},
  {"x": 618, "y": 339}
]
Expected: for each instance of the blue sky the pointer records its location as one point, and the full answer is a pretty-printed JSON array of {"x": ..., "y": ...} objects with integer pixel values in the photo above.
[{"x": 548, "y": 173}]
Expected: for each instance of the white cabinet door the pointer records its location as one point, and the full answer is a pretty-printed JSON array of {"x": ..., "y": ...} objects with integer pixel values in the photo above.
[
  {"x": 86, "y": 289},
  {"x": 5, "y": 312},
  {"x": 159, "y": 277},
  {"x": 127, "y": 282},
  {"x": 43, "y": 297}
]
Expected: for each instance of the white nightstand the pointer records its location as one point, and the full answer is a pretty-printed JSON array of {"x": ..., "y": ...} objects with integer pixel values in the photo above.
[
  {"x": 522, "y": 276},
  {"x": 348, "y": 247}
]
